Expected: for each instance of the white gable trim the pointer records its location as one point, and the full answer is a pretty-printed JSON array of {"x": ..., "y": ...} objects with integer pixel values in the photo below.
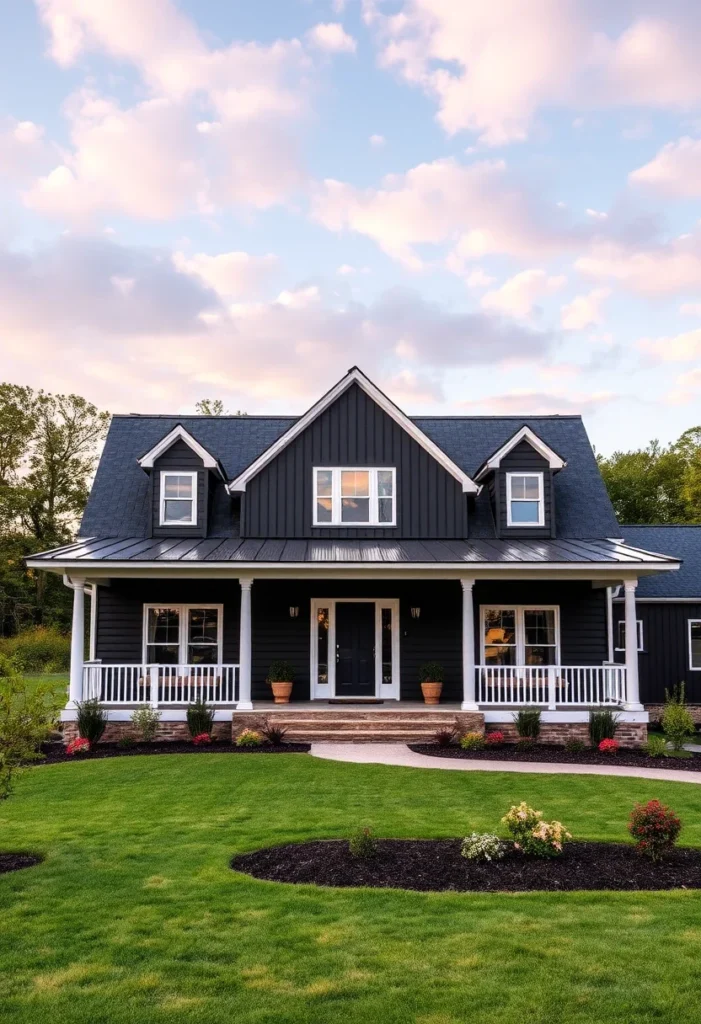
[
  {"x": 178, "y": 433},
  {"x": 524, "y": 434},
  {"x": 355, "y": 376}
]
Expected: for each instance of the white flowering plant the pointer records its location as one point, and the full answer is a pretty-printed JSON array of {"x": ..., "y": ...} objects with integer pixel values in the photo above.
[
  {"x": 532, "y": 835},
  {"x": 483, "y": 846}
]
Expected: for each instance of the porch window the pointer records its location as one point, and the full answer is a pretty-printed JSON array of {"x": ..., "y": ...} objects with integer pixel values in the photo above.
[
  {"x": 695, "y": 645},
  {"x": 621, "y": 635},
  {"x": 322, "y": 638},
  {"x": 354, "y": 497},
  {"x": 183, "y": 634},
  {"x": 524, "y": 499},
  {"x": 178, "y": 499},
  {"x": 386, "y": 622},
  {"x": 520, "y": 635}
]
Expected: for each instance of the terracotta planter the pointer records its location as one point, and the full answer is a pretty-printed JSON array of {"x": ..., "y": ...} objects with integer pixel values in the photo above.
[
  {"x": 432, "y": 692},
  {"x": 281, "y": 692}
]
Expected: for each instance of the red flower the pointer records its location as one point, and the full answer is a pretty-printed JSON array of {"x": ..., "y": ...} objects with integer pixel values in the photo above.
[
  {"x": 655, "y": 828},
  {"x": 78, "y": 746},
  {"x": 494, "y": 739},
  {"x": 609, "y": 747},
  {"x": 202, "y": 739}
]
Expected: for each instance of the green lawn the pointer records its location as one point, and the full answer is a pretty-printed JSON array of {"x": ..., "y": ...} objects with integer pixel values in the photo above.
[
  {"x": 135, "y": 916},
  {"x": 57, "y": 682}
]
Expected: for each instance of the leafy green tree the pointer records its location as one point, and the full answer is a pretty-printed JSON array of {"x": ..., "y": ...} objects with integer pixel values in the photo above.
[{"x": 215, "y": 407}]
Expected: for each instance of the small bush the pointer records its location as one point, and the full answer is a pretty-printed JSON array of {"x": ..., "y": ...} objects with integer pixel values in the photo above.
[
  {"x": 431, "y": 672},
  {"x": 127, "y": 742},
  {"x": 483, "y": 846},
  {"x": 200, "y": 718},
  {"x": 26, "y": 718},
  {"x": 91, "y": 720},
  {"x": 249, "y": 738},
  {"x": 655, "y": 829},
  {"x": 81, "y": 745},
  {"x": 203, "y": 739},
  {"x": 494, "y": 738},
  {"x": 146, "y": 720},
  {"x": 608, "y": 747},
  {"x": 281, "y": 672},
  {"x": 272, "y": 731},
  {"x": 656, "y": 746},
  {"x": 677, "y": 722},
  {"x": 527, "y": 722},
  {"x": 525, "y": 743},
  {"x": 444, "y": 737},
  {"x": 602, "y": 725},
  {"x": 472, "y": 741},
  {"x": 362, "y": 843},
  {"x": 39, "y": 649},
  {"x": 532, "y": 835},
  {"x": 575, "y": 746}
]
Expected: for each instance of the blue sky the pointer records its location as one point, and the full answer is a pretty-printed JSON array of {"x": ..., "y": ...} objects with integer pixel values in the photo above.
[{"x": 490, "y": 210}]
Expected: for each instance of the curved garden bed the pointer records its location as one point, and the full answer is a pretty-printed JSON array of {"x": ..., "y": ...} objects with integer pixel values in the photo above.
[
  {"x": 55, "y": 753},
  {"x": 551, "y": 754},
  {"x": 436, "y": 865},
  {"x": 17, "y": 861}
]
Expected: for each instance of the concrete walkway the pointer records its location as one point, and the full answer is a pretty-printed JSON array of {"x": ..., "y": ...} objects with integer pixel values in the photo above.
[{"x": 399, "y": 754}]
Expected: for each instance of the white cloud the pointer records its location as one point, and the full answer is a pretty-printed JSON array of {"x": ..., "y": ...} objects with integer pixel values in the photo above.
[
  {"x": 541, "y": 403},
  {"x": 678, "y": 348},
  {"x": 675, "y": 170},
  {"x": 23, "y": 149},
  {"x": 492, "y": 68},
  {"x": 229, "y": 274},
  {"x": 377, "y": 141},
  {"x": 690, "y": 309},
  {"x": 687, "y": 388},
  {"x": 476, "y": 278},
  {"x": 664, "y": 268},
  {"x": 584, "y": 310},
  {"x": 348, "y": 270},
  {"x": 518, "y": 296},
  {"x": 331, "y": 37}
]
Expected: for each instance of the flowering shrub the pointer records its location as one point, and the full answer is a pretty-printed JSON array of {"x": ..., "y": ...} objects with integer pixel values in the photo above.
[
  {"x": 655, "y": 828},
  {"x": 483, "y": 846},
  {"x": 494, "y": 739},
  {"x": 249, "y": 738},
  {"x": 608, "y": 747},
  {"x": 472, "y": 741},
  {"x": 78, "y": 746},
  {"x": 201, "y": 739},
  {"x": 532, "y": 835}
]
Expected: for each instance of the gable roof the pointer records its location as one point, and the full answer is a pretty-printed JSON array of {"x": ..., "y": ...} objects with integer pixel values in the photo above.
[
  {"x": 355, "y": 376},
  {"x": 179, "y": 433},
  {"x": 682, "y": 542},
  {"x": 554, "y": 460}
]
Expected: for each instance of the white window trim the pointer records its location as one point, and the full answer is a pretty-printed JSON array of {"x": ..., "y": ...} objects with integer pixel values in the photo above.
[
  {"x": 162, "y": 521},
  {"x": 519, "y": 609},
  {"x": 327, "y": 691},
  {"x": 541, "y": 501},
  {"x": 183, "y": 641},
  {"x": 641, "y": 642},
  {"x": 690, "y": 623},
  {"x": 336, "y": 472}
]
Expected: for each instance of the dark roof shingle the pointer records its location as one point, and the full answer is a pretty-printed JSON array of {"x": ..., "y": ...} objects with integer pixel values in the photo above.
[{"x": 678, "y": 541}]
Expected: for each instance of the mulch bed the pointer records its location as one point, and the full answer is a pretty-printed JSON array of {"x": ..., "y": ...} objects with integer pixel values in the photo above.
[
  {"x": 16, "y": 861},
  {"x": 435, "y": 865},
  {"x": 55, "y": 753},
  {"x": 625, "y": 758}
]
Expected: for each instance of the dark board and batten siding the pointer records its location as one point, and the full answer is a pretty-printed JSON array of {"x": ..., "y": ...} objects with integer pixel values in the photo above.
[
  {"x": 354, "y": 431},
  {"x": 664, "y": 661},
  {"x": 180, "y": 457},
  {"x": 524, "y": 459}
]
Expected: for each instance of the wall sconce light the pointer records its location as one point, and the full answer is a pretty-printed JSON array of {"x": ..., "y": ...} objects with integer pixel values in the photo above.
[
  {"x": 415, "y": 613},
  {"x": 294, "y": 611}
]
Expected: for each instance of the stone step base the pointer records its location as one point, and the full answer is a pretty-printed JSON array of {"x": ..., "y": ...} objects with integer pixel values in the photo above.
[{"x": 361, "y": 727}]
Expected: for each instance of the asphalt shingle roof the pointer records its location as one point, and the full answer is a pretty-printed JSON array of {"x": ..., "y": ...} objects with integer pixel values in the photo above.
[{"x": 678, "y": 541}]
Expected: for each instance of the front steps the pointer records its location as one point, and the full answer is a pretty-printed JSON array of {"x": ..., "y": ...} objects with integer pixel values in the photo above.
[{"x": 335, "y": 725}]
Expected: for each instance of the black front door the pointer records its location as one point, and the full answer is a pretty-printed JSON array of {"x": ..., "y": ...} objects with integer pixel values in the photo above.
[{"x": 355, "y": 649}]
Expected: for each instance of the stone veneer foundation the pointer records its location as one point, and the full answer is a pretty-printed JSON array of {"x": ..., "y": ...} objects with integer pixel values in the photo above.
[
  {"x": 628, "y": 734},
  {"x": 116, "y": 731}
]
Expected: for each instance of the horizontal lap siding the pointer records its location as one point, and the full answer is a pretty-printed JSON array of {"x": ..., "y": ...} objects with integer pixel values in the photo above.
[
  {"x": 664, "y": 661},
  {"x": 354, "y": 431}
]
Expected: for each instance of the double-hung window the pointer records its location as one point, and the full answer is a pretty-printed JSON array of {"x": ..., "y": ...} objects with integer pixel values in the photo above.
[
  {"x": 355, "y": 497},
  {"x": 695, "y": 645},
  {"x": 520, "y": 635},
  {"x": 621, "y": 634},
  {"x": 524, "y": 499},
  {"x": 182, "y": 634},
  {"x": 178, "y": 499}
]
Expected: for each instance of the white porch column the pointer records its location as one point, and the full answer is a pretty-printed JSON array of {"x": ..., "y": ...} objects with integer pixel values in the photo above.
[
  {"x": 75, "y": 691},
  {"x": 632, "y": 684},
  {"x": 244, "y": 701},
  {"x": 468, "y": 646}
]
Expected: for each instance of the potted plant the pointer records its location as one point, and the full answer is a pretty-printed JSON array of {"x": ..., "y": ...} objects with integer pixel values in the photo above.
[
  {"x": 431, "y": 679},
  {"x": 281, "y": 676}
]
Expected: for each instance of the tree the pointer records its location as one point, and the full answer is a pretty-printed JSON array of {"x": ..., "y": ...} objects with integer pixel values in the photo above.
[
  {"x": 215, "y": 407},
  {"x": 27, "y": 714}
]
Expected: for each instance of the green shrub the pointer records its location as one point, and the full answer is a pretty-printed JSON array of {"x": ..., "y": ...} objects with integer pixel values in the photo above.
[
  {"x": 40, "y": 649},
  {"x": 281, "y": 672},
  {"x": 146, "y": 720},
  {"x": 483, "y": 846},
  {"x": 91, "y": 720},
  {"x": 472, "y": 741},
  {"x": 677, "y": 722},
  {"x": 603, "y": 723},
  {"x": 362, "y": 843},
  {"x": 527, "y": 722},
  {"x": 575, "y": 746},
  {"x": 26, "y": 719},
  {"x": 431, "y": 672},
  {"x": 249, "y": 738},
  {"x": 656, "y": 746},
  {"x": 525, "y": 743},
  {"x": 200, "y": 718},
  {"x": 127, "y": 742}
]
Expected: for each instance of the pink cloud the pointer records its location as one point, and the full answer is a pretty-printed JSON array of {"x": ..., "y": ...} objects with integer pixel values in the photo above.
[{"x": 675, "y": 171}]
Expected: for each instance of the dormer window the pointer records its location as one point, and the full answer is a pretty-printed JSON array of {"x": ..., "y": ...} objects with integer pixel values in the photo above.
[
  {"x": 178, "y": 499},
  {"x": 354, "y": 497},
  {"x": 524, "y": 499}
]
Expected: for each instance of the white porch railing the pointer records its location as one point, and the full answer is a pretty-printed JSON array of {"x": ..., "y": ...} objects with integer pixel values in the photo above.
[
  {"x": 161, "y": 684},
  {"x": 551, "y": 685}
]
